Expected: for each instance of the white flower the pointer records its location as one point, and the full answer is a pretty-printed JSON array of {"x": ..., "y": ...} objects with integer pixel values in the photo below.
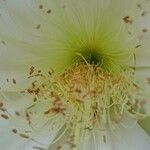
[{"x": 74, "y": 74}]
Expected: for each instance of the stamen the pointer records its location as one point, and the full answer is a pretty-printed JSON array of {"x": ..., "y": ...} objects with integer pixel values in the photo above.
[
  {"x": 24, "y": 135},
  {"x": 86, "y": 95}
]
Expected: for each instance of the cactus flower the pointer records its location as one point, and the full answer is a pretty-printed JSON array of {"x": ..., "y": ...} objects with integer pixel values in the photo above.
[{"x": 74, "y": 74}]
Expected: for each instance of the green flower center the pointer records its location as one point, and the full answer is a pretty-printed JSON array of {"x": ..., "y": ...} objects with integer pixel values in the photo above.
[{"x": 91, "y": 56}]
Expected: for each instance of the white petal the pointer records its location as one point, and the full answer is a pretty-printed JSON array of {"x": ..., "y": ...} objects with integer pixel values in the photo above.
[
  {"x": 23, "y": 138},
  {"x": 143, "y": 52},
  {"x": 130, "y": 137},
  {"x": 41, "y": 131}
]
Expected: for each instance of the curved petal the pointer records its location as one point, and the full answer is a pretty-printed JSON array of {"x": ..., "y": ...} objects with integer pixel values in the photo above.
[
  {"x": 133, "y": 138},
  {"x": 22, "y": 128},
  {"x": 125, "y": 135}
]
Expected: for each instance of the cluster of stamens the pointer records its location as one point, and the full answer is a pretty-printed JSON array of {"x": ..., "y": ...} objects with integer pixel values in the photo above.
[{"x": 87, "y": 96}]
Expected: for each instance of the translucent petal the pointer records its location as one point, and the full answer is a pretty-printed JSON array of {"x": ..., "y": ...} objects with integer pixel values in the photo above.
[
  {"x": 22, "y": 130},
  {"x": 133, "y": 138},
  {"x": 125, "y": 135}
]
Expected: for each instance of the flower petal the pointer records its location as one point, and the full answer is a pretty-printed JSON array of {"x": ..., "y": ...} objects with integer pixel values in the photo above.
[
  {"x": 22, "y": 129},
  {"x": 130, "y": 137}
]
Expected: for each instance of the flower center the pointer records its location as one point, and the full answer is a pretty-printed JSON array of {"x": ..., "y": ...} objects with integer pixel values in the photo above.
[{"x": 91, "y": 56}]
